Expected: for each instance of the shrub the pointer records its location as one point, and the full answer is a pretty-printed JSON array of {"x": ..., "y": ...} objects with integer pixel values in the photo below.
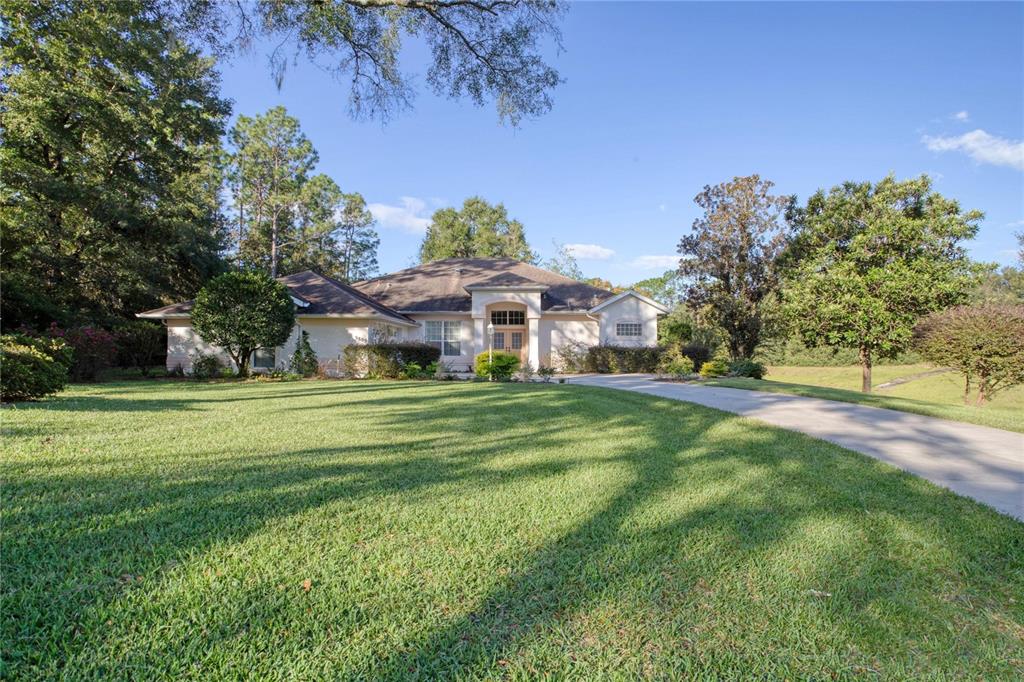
[
  {"x": 525, "y": 373},
  {"x": 304, "y": 361},
  {"x": 747, "y": 368},
  {"x": 141, "y": 344},
  {"x": 243, "y": 311},
  {"x": 501, "y": 366},
  {"x": 94, "y": 350},
  {"x": 570, "y": 357},
  {"x": 622, "y": 359},
  {"x": 386, "y": 360},
  {"x": 716, "y": 367},
  {"x": 545, "y": 372},
  {"x": 206, "y": 366},
  {"x": 698, "y": 353},
  {"x": 674, "y": 363},
  {"x": 31, "y": 368},
  {"x": 985, "y": 343},
  {"x": 414, "y": 370}
]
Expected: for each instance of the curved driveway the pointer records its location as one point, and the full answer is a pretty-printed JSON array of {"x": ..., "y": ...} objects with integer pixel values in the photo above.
[{"x": 977, "y": 461}]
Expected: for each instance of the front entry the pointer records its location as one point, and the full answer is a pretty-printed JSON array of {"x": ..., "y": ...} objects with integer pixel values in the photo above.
[{"x": 512, "y": 340}]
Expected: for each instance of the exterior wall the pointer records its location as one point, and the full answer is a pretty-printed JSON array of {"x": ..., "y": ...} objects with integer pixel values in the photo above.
[
  {"x": 559, "y": 330},
  {"x": 183, "y": 343},
  {"x": 459, "y": 362},
  {"x": 629, "y": 309},
  {"x": 327, "y": 336}
]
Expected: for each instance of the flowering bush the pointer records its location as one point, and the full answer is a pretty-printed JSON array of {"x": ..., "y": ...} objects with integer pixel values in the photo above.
[{"x": 94, "y": 349}]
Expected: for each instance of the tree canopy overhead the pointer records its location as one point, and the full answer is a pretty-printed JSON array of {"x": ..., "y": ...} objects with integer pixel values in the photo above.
[
  {"x": 478, "y": 230},
  {"x": 874, "y": 258},
  {"x": 109, "y": 172},
  {"x": 486, "y": 50}
]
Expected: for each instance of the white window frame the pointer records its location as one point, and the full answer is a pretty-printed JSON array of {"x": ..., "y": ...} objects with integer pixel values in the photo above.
[
  {"x": 632, "y": 325},
  {"x": 444, "y": 334},
  {"x": 498, "y": 315}
]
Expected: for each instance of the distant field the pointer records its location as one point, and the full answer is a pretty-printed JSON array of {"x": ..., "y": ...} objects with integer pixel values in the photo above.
[{"x": 938, "y": 396}]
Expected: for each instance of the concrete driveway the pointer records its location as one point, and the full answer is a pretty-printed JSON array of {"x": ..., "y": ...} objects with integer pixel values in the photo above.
[{"x": 977, "y": 461}]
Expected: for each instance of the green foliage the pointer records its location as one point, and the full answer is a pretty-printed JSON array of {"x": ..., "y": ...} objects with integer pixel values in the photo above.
[
  {"x": 716, "y": 367},
  {"x": 93, "y": 350},
  {"x": 484, "y": 51},
  {"x": 667, "y": 289},
  {"x": 500, "y": 366},
  {"x": 674, "y": 363},
  {"x": 304, "y": 361},
  {"x": 747, "y": 368},
  {"x": 570, "y": 357},
  {"x": 984, "y": 343},
  {"x": 676, "y": 328},
  {"x": 698, "y": 353},
  {"x": 109, "y": 174},
  {"x": 387, "y": 360},
  {"x": 31, "y": 368},
  {"x": 242, "y": 312},
  {"x": 732, "y": 258},
  {"x": 997, "y": 285},
  {"x": 479, "y": 230},
  {"x": 564, "y": 262},
  {"x": 286, "y": 219},
  {"x": 792, "y": 352},
  {"x": 206, "y": 366},
  {"x": 141, "y": 344},
  {"x": 545, "y": 372},
  {"x": 871, "y": 260},
  {"x": 622, "y": 359}
]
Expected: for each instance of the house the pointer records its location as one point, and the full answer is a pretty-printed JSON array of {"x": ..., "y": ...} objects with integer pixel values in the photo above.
[{"x": 450, "y": 303}]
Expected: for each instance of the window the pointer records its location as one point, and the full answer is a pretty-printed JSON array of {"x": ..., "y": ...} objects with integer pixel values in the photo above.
[
  {"x": 499, "y": 340},
  {"x": 444, "y": 334},
  {"x": 263, "y": 358},
  {"x": 508, "y": 317},
  {"x": 629, "y": 329},
  {"x": 517, "y": 340}
]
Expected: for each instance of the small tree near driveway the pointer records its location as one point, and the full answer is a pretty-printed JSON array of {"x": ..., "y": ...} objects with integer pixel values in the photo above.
[
  {"x": 872, "y": 259},
  {"x": 984, "y": 343},
  {"x": 242, "y": 312}
]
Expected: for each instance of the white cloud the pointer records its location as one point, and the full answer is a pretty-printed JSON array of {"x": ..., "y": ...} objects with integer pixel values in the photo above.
[
  {"x": 962, "y": 116},
  {"x": 590, "y": 251},
  {"x": 662, "y": 207},
  {"x": 408, "y": 217},
  {"x": 981, "y": 147},
  {"x": 1016, "y": 223},
  {"x": 654, "y": 262}
]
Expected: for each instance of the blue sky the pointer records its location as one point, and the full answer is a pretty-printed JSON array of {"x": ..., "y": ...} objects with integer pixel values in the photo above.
[{"x": 661, "y": 99}]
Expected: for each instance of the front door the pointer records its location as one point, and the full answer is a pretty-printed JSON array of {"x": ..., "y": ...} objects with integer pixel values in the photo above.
[{"x": 512, "y": 341}]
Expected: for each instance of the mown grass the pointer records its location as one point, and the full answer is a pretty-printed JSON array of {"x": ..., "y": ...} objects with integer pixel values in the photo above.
[
  {"x": 339, "y": 530},
  {"x": 935, "y": 396}
]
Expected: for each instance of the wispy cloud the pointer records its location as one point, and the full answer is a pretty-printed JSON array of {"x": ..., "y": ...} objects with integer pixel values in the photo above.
[
  {"x": 590, "y": 251},
  {"x": 409, "y": 216},
  {"x": 654, "y": 262},
  {"x": 662, "y": 207},
  {"x": 962, "y": 116},
  {"x": 980, "y": 146}
]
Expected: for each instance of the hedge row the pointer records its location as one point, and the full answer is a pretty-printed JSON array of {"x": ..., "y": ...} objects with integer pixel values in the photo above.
[
  {"x": 32, "y": 367},
  {"x": 386, "y": 360},
  {"x": 621, "y": 359}
]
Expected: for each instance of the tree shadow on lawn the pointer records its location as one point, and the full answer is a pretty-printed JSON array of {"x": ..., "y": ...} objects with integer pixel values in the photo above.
[{"x": 679, "y": 567}]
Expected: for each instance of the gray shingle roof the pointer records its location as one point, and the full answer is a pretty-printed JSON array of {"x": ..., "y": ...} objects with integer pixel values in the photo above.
[
  {"x": 441, "y": 285},
  {"x": 324, "y": 295}
]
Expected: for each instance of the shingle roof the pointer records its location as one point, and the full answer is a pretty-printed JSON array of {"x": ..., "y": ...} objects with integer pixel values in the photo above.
[
  {"x": 324, "y": 295},
  {"x": 441, "y": 285}
]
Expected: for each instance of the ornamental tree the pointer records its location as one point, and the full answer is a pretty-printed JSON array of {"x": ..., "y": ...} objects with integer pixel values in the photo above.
[
  {"x": 871, "y": 260},
  {"x": 985, "y": 343},
  {"x": 242, "y": 312}
]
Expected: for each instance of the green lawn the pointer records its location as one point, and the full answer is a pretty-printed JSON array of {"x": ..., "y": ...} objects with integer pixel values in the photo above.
[
  {"x": 343, "y": 530},
  {"x": 935, "y": 396}
]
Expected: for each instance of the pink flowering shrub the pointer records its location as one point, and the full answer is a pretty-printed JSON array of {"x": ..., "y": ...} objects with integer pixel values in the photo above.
[{"x": 94, "y": 349}]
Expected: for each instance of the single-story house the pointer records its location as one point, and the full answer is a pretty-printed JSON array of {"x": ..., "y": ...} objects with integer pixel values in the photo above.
[{"x": 449, "y": 303}]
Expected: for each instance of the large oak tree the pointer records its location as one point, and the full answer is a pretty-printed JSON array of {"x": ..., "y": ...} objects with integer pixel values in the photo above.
[{"x": 478, "y": 230}]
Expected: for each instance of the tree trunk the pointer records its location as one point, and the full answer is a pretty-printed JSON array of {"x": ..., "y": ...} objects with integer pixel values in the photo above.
[
  {"x": 865, "y": 370},
  {"x": 982, "y": 390},
  {"x": 273, "y": 247},
  {"x": 967, "y": 389}
]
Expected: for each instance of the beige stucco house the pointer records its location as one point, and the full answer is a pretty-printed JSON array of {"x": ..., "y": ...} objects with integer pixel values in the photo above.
[{"x": 447, "y": 303}]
